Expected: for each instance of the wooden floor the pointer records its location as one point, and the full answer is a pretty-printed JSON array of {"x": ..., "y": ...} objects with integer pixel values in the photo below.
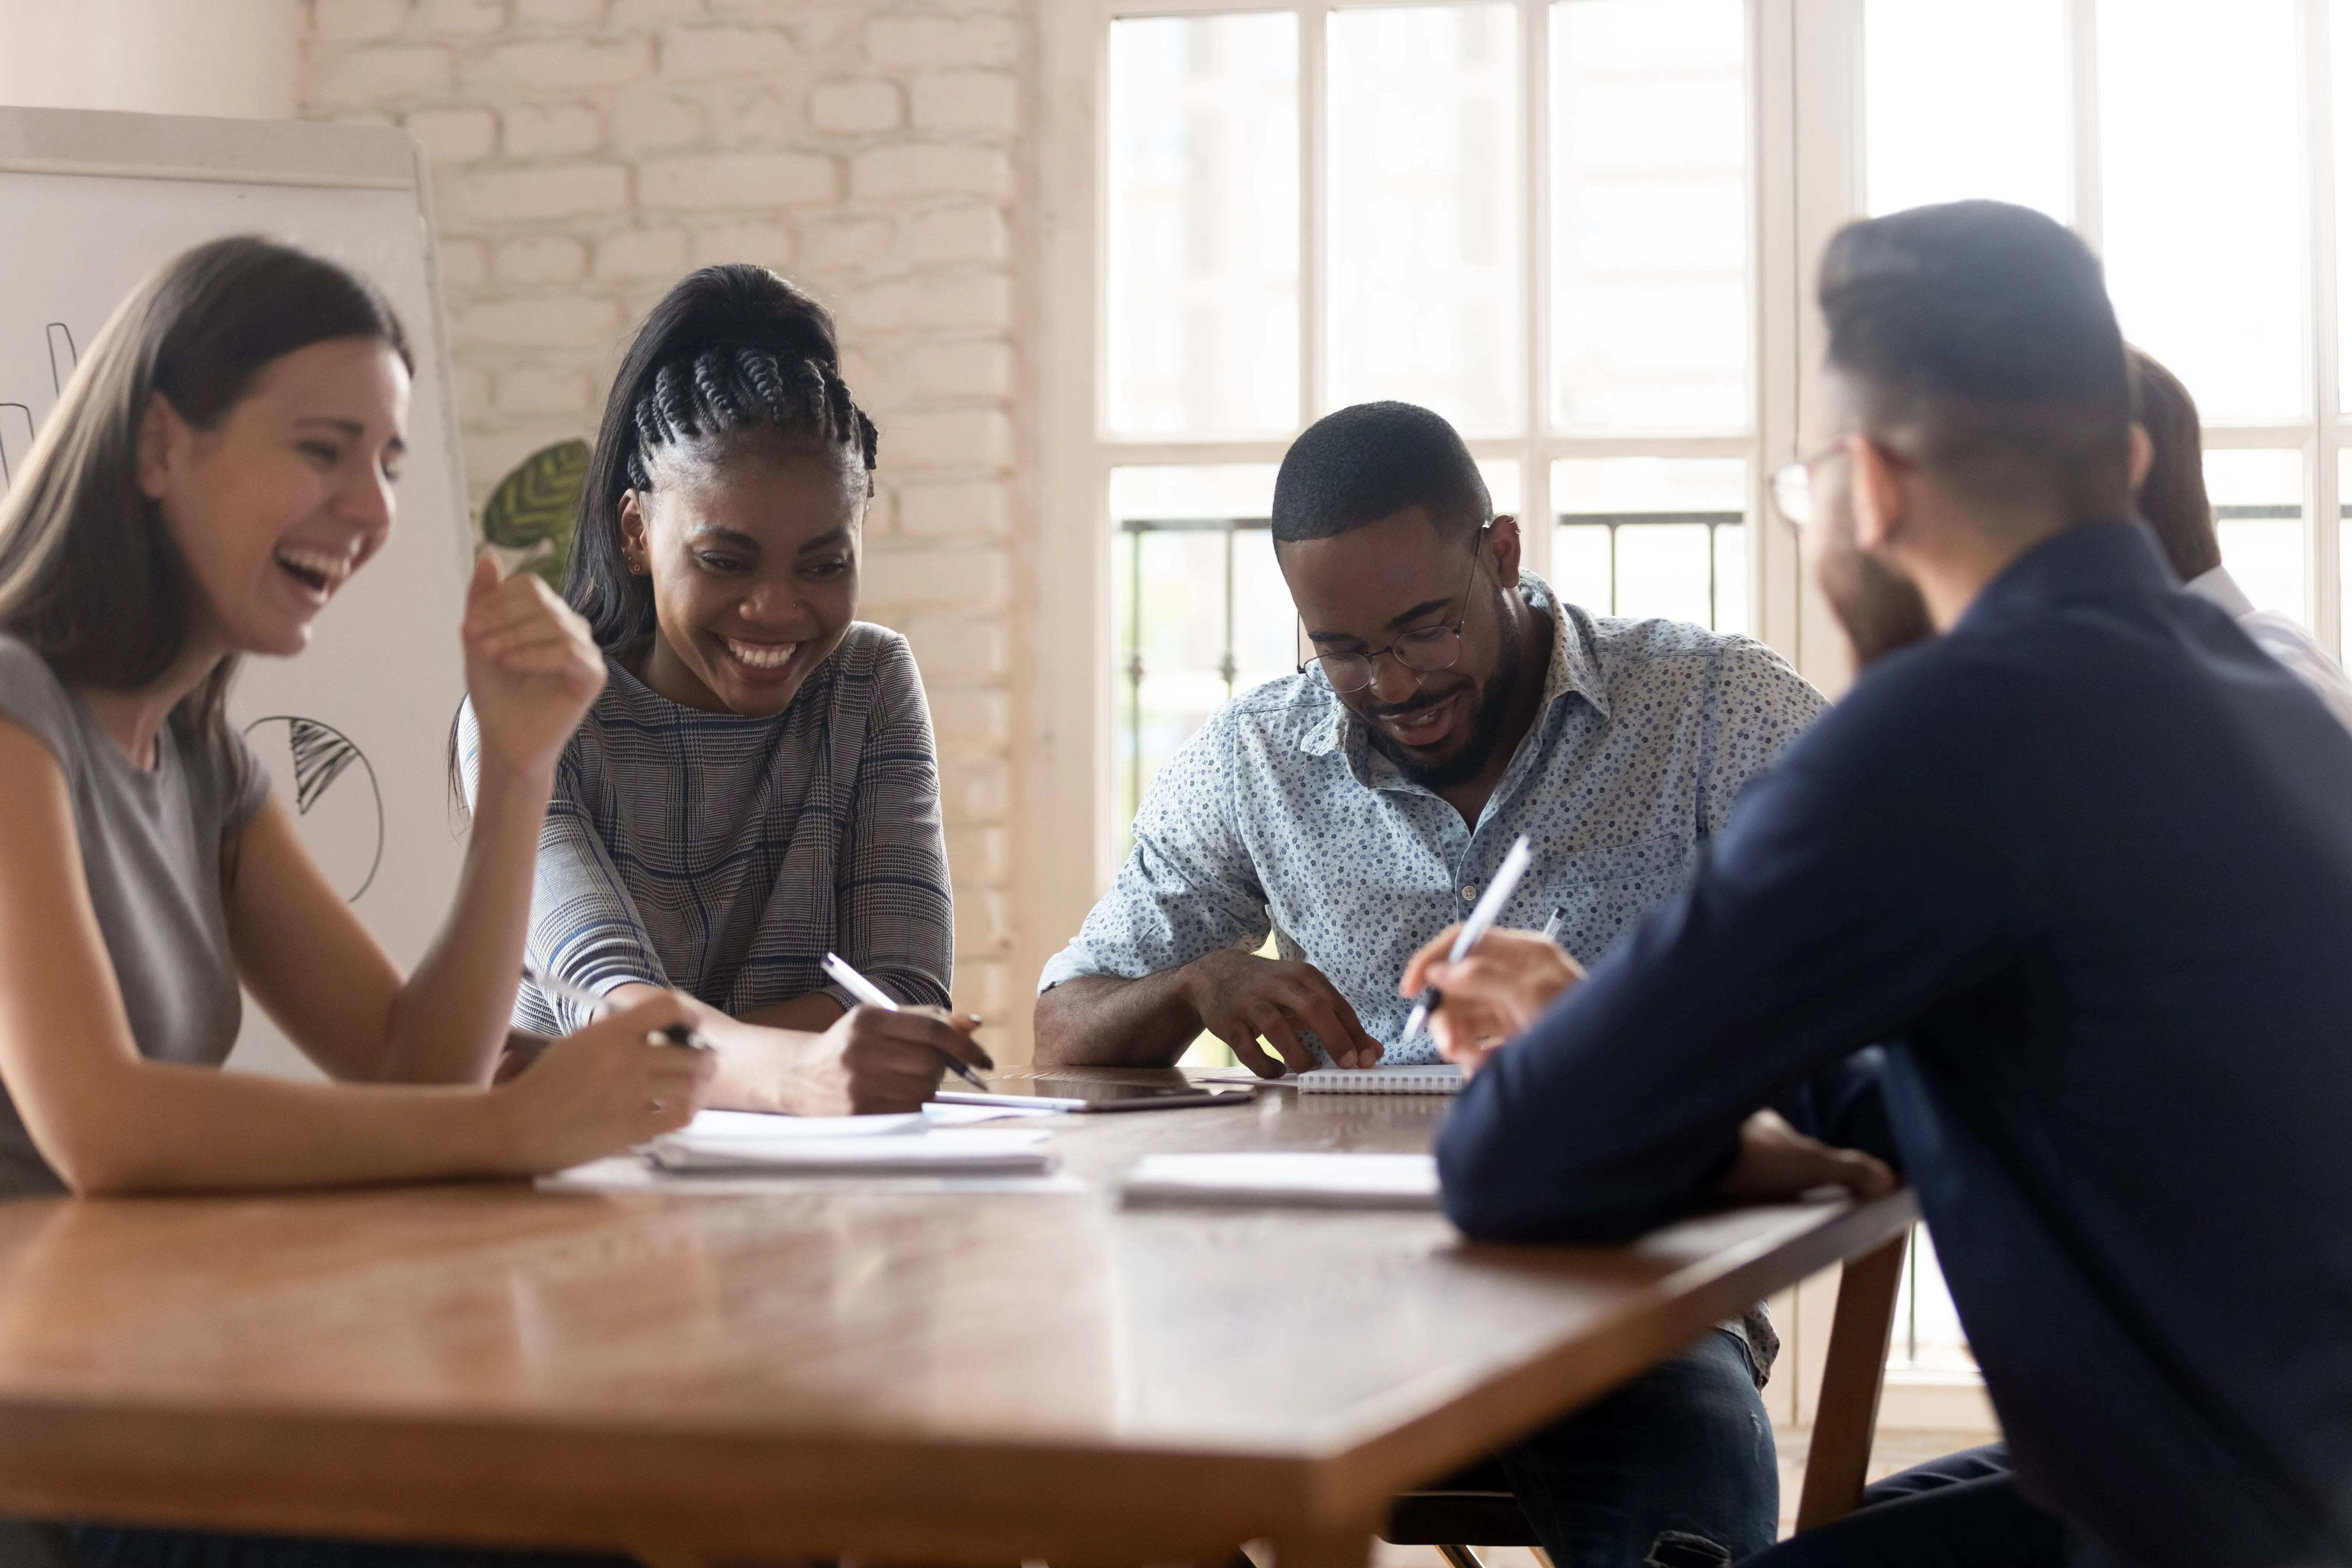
[{"x": 1891, "y": 1452}]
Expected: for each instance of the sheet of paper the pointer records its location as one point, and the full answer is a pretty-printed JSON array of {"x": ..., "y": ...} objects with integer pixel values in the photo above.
[
  {"x": 1279, "y": 1180},
  {"x": 940, "y": 1115},
  {"x": 761, "y": 1124},
  {"x": 946, "y": 1148},
  {"x": 630, "y": 1174}
]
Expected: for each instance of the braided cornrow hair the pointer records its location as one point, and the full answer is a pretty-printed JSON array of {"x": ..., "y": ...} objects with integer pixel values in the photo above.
[{"x": 733, "y": 358}]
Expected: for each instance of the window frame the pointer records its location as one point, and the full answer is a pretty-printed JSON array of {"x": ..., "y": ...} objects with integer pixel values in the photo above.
[
  {"x": 1806, "y": 179},
  {"x": 1082, "y": 449}
]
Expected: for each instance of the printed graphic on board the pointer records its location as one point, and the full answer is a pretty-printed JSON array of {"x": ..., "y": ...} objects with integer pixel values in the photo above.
[{"x": 338, "y": 805}]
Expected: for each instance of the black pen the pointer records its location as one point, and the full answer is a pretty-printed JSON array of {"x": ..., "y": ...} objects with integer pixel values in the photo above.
[
  {"x": 580, "y": 996},
  {"x": 873, "y": 995}
]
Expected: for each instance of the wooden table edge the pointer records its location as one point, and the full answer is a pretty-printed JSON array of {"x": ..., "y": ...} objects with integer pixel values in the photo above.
[{"x": 678, "y": 1494}]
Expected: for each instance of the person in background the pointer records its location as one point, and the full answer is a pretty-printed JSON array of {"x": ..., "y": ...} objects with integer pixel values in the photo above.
[
  {"x": 2173, "y": 502},
  {"x": 1456, "y": 703},
  {"x": 755, "y": 786},
  {"x": 2080, "y": 863}
]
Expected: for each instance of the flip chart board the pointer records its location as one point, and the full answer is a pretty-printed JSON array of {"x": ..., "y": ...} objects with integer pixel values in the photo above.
[{"x": 355, "y": 730}]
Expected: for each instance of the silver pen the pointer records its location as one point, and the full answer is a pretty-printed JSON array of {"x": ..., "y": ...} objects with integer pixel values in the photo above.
[
  {"x": 602, "y": 1006},
  {"x": 873, "y": 995},
  {"x": 1482, "y": 920}
]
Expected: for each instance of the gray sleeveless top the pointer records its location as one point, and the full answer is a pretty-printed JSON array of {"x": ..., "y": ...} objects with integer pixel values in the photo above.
[{"x": 151, "y": 851}]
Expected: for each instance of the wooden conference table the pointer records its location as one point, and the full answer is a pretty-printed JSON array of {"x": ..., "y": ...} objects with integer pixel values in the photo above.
[{"x": 950, "y": 1377}]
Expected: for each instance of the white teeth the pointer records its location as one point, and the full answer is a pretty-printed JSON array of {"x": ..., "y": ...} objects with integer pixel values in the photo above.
[
  {"x": 762, "y": 656},
  {"x": 333, "y": 568}
]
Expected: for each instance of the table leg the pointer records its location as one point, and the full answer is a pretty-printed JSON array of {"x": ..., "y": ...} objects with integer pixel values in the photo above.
[{"x": 1838, "y": 1462}]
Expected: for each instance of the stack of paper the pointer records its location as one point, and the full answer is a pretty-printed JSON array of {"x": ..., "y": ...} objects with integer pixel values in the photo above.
[
  {"x": 1299, "y": 1180},
  {"x": 743, "y": 1142}
]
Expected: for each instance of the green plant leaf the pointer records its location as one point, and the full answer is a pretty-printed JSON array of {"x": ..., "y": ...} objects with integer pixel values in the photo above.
[{"x": 536, "y": 506}]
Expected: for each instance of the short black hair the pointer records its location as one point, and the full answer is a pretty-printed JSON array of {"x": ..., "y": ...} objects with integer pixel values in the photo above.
[
  {"x": 1372, "y": 461},
  {"x": 1985, "y": 327}
]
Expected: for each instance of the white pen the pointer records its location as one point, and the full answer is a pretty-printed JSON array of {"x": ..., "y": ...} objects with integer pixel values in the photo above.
[
  {"x": 1558, "y": 918},
  {"x": 873, "y": 995},
  {"x": 1482, "y": 920},
  {"x": 598, "y": 1007}
]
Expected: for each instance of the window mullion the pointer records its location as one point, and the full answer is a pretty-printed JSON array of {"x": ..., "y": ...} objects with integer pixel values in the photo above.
[
  {"x": 1314, "y": 123},
  {"x": 2083, "y": 71},
  {"x": 1535, "y": 217},
  {"x": 2324, "y": 539}
]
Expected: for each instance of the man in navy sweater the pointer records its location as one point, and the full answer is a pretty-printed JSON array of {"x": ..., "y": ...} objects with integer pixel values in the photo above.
[{"x": 2083, "y": 863}]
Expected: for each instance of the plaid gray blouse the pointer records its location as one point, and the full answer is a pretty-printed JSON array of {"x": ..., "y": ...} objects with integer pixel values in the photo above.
[{"x": 724, "y": 856}]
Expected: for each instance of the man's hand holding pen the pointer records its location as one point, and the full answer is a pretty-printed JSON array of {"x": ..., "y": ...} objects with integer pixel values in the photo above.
[{"x": 1492, "y": 994}]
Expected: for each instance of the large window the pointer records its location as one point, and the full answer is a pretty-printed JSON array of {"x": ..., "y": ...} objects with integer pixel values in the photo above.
[
  {"x": 1532, "y": 217},
  {"x": 1585, "y": 232}
]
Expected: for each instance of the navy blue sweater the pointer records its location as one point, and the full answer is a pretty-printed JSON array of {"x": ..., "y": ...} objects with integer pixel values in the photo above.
[{"x": 2086, "y": 862}]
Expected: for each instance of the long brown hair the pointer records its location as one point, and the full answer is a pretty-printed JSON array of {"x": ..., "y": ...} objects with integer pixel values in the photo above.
[
  {"x": 90, "y": 576},
  {"x": 2172, "y": 497}
]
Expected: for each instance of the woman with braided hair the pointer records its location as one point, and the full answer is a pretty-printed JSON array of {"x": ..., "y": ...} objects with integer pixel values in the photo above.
[{"x": 756, "y": 784}]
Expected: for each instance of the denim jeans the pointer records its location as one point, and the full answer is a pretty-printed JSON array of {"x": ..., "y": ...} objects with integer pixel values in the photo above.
[
  {"x": 1963, "y": 1511},
  {"x": 1675, "y": 1469}
]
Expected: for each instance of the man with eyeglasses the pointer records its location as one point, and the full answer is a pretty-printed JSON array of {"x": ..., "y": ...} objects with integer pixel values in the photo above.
[
  {"x": 1455, "y": 703},
  {"x": 2064, "y": 890}
]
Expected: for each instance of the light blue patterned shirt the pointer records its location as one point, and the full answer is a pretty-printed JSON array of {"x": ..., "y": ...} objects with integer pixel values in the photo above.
[{"x": 1279, "y": 814}]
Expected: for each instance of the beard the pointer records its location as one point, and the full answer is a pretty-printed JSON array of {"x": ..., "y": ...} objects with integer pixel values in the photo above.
[
  {"x": 1494, "y": 705},
  {"x": 1881, "y": 612}
]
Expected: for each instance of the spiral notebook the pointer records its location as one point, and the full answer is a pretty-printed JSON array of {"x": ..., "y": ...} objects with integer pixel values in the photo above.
[{"x": 1434, "y": 1078}]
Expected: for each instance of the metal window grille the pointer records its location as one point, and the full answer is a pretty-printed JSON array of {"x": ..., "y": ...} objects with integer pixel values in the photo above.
[
  {"x": 1714, "y": 522},
  {"x": 1133, "y": 667}
]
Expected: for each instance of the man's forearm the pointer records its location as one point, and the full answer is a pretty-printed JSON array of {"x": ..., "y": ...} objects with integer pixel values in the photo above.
[{"x": 1099, "y": 1020}]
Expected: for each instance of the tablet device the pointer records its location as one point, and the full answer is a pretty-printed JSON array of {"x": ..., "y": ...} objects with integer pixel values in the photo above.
[{"x": 1050, "y": 1091}]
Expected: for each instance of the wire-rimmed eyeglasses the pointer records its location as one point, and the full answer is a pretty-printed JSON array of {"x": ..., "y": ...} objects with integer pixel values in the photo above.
[
  {"x": 1422, "y": 652},
  {"x": 1792, "y": 486}
]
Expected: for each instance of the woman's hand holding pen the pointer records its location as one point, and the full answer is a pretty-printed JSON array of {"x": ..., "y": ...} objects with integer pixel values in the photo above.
[
  {"x": 1510, "y": 978},
  {"x": 872, "y": 1060},
  {"x": 876, "y": 1059},
  {"x": 613, "y": 1084}
]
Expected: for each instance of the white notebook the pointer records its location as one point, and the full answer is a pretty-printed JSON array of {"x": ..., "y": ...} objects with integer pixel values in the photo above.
[
  {"x": 1288, "y": 1179},
  {"x": 1436, "y": 1077},
  {"x": 1433, "y": 1077}
]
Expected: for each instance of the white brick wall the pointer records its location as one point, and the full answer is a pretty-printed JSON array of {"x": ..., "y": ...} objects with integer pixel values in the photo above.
[{"x": 586, "y": 152}]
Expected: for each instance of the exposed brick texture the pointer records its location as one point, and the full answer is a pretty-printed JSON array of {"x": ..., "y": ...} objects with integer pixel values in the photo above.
[{"x": 586, "y": 152}]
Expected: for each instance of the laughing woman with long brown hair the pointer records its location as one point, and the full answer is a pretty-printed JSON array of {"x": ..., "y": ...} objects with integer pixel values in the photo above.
[{"x": 222, "y": 462}]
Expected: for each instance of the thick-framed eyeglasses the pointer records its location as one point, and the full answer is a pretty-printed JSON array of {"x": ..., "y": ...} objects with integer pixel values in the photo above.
[
  {"x": 1422, "y": 652},
  {"x": 1792, "y": 486}
]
